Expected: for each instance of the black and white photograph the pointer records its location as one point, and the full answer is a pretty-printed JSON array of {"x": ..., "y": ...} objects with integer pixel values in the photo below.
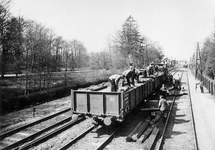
[{"x": 107, "y": 74}]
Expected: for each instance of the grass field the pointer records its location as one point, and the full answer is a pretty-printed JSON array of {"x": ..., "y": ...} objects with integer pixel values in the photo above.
[{"x": 12, "y": 86}]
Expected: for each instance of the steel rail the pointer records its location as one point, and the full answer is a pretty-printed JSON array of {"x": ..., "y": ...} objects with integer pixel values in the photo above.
[
  {"x": 8, "y": 133},
  {"x": 27, "y": 139},
  {"x": 167, "y": 122},
  {"x": 193, "y": 118},
  {"x": 51, "y": 134},
  {"x": 109, "y": 139},
  {"x": 66, "y": 146}
]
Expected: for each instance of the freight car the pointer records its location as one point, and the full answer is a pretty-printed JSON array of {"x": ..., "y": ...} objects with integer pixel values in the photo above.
[{"x": 107, "y": 107}]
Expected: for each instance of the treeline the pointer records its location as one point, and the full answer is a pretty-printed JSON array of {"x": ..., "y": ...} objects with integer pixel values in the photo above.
[
  {"x": 29, "y": 48},
  {"x": 207, "y": 57}
]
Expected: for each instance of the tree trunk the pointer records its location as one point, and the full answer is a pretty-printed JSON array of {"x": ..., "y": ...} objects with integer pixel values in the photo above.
[{"x": 3, "y": 63}]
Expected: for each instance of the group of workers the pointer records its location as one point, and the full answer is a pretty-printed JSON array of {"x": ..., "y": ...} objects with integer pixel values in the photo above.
[
  {"x": 163, "y": 105},
  {"x": 133, "y": 73},
  {"x": 130, "y": 74}
]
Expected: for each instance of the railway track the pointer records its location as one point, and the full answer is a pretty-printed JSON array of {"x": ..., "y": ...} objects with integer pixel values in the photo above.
[
  {"x": 160, "y": 144},
  {"x": 192, "y": 115},
  {"x": 50, "y": 135},
  {"x": 28, "y": 132},
  {"x": 13, "y": 131},
  {"x": 151, "y": 135},
  {"x": 104, "y": 140},
  {"x": 89, "y": 137},
  {"x": 42, "y": 128}
]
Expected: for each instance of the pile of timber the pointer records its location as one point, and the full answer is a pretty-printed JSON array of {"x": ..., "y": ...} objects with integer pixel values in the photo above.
[
  {"x": 151, "y": 139},
  {"x": 143, "y": 130},
  {"x": 138, "y": 130}
]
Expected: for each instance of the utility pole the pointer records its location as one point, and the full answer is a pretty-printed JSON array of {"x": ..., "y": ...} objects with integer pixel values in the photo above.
[
  {"x": 198, "y": 61},
  {"x": 214, "y": 31}
]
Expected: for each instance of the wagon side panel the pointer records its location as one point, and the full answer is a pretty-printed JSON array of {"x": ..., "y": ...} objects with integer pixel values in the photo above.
[
  {"x": 132, "y": 98},
  {"x": 126, "y": 103},
  {"x": 96, "y": 103},
  {"x": 80, "y": 102},
  {"x": 137, "y": 95},
  {"x": 113, "y": 104}
]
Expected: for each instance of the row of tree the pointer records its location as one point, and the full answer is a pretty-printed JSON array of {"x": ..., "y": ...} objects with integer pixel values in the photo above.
[
  {"x": 204, "y": 57},
  {"x": 30, "y": 48},
  {"x": 208, "y": 56}
]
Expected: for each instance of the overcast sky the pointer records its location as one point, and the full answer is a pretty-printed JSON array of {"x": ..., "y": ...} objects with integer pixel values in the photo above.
[{"x": 177, "y": 25}]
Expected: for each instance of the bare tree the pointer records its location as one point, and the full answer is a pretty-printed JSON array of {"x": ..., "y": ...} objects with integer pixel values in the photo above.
[{"x": 4, "y": 17}]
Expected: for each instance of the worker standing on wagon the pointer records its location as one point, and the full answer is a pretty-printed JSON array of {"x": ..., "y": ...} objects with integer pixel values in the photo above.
[
  {"x": 135, "y": 76},
  {"x": 150, "y": 69},
  {"x": 128, "y": 74},
  {"x": 114, "y": 81}
]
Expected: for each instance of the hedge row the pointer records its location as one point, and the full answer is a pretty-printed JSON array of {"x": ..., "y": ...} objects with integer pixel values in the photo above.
[{"x": 20, "y": 102}]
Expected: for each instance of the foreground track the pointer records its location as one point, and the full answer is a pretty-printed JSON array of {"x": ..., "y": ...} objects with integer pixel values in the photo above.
[
  {"x": 160, "y": 144},
  {"x": 51, "y": 134},
  {"x": 108, "y": 140},
  {"x": 33, "y": 129},
  {"x": 22, "y": 144},
  {"x": 104, "y": 140},
  {"x": 8, "y": 133},
  {"x": 29, "y": 132}
]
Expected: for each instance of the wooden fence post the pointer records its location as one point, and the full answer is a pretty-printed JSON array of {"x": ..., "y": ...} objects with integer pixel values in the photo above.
[
  {"x": 209, "y": 89},
  {"x": 204, "y": 82},
  {"x": 207, "y": 83}
]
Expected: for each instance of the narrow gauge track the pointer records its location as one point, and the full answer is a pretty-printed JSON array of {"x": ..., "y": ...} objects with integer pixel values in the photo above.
[{"x": 160, "y": 144}]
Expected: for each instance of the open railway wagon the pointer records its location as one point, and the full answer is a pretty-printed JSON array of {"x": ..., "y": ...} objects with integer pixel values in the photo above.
[{"x": 108, "y": 107}]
